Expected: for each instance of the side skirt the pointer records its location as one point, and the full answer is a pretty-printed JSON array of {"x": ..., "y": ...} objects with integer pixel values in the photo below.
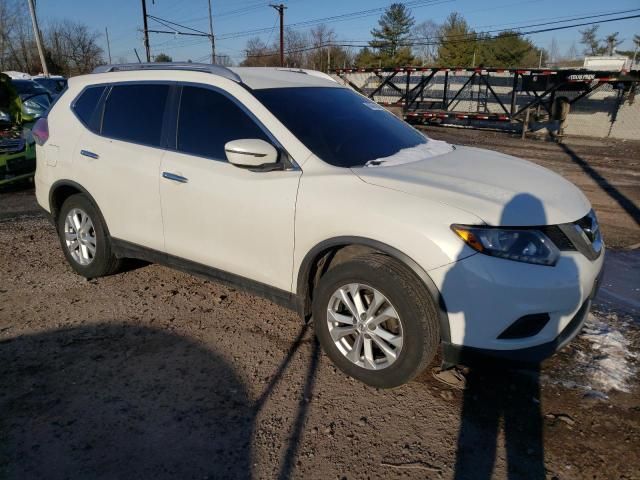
[{"x": 124, "y": 249}]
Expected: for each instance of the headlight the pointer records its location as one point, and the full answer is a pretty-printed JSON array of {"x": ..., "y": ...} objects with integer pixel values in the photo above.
[
  {"x": 4, "y": 116},
  {"x": 530, "y": 246}
]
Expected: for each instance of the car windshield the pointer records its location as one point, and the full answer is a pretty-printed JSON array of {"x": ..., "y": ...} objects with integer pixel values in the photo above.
[{"x": 338, "y": 125}]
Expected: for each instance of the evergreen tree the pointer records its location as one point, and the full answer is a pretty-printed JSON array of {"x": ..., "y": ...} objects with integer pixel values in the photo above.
[
  {"x": 590, "y": 40},
  {"x": 457, "y": 42},
  {"x": 611, "y": 42},
  {"x": 508, "y": 50},
  {"x": 394, "y": 30},
  {"x": 162, "y": 57}
]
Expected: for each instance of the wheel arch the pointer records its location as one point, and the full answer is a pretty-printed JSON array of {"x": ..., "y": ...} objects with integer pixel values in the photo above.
[
  {"x": 327, "y": 249},
  {"x": 63, "y": 189}
]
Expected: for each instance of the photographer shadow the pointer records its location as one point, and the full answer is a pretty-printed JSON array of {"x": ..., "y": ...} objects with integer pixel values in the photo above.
[
  {"x": 503, "y": 392},
  {"x": 120, "y": 401}
]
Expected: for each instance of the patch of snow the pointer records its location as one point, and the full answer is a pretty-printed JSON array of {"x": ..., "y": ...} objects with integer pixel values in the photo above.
[
  {"x": 611, "y": 366},
  {"x": 413, "y": 154}
]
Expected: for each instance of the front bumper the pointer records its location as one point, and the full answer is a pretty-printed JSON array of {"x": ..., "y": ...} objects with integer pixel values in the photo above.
[
  {"x": 460, "y": 355},
  {"x": 484, "y": 296}
]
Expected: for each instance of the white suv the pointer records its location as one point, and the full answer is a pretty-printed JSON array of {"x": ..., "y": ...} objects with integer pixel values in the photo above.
[{"x": 296, "y": 188}]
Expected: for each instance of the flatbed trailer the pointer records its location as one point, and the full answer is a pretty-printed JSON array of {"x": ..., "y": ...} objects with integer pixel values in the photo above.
[{"x": 486, "y": 95}]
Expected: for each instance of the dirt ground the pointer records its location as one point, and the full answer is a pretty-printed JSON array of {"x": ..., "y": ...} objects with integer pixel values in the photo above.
[{"x": 152, "y": 373}]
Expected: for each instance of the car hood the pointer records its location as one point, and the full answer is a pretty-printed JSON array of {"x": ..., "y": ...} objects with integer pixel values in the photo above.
[{"x": 497, "y": 188}]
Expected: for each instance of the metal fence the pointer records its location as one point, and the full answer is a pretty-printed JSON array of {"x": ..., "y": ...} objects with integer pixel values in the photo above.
[{"x": 599, "y": 103}]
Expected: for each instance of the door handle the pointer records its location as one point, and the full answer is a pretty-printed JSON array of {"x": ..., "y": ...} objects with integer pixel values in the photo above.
[
  {"x": 174, "y": 177},
  {"x": 87, "y": 153}
]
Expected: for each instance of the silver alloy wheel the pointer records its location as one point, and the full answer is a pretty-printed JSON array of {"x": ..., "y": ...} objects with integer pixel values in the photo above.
[
  {"x": 365, "y": 326},
  {"x": 80, "y": 236}
]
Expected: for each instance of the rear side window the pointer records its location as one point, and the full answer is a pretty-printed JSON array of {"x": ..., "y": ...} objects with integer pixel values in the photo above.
[
  {"x": 86, "y": 103},
  {"x": 208, "y": 120},
  {"x": 134, "y": 113}
]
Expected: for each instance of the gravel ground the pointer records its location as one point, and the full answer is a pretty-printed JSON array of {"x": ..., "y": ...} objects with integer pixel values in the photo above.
[{"x": 153, "y": 373}]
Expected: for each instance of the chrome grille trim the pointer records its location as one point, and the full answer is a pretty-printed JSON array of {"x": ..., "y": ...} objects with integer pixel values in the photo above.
[{"x": 585, "y": 235}]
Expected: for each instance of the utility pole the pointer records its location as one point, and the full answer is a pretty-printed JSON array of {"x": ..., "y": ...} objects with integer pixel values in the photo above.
[
  {"x": 280, "y": 8},
  {"x": 146, "y": 30},
  {"x": 213, "y": 42},
  {"x": 106, "y": 32},
  {"x": 36, "y": 32}
]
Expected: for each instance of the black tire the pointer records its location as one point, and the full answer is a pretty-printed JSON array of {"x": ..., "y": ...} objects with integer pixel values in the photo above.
[
  {"x": 412, "y": 301},
  {"x": 104, "y": 261}
]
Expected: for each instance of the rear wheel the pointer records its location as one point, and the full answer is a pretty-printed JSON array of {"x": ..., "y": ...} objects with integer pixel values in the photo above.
[
  {"x": 375, "y": 320},
  {"x": 84, "y": 238}
]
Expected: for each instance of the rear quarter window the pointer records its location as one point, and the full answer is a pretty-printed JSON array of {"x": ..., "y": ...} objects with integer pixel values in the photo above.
[{"x": 85, "y": 105}]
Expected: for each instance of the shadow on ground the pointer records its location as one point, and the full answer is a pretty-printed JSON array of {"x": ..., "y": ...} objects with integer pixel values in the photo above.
[
  {"x": 625, "y": 203},
  {"x": 116, "y": 401}
]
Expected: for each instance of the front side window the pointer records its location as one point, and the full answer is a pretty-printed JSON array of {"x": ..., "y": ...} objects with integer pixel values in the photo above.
[
  {"x": 134, "y": 113},
  {"x": 208, "y": 120},
  {"x": 338, "y": 125}
]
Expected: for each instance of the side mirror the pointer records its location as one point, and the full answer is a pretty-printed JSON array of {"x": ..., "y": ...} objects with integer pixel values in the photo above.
[{"x": 251, "y": 153}]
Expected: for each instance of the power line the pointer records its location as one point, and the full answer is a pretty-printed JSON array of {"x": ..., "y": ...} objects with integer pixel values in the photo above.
[
  {"x": 164, "y": 22},
  {"x": 477, "y": 37},
  {"x": 336, "y": 18}
]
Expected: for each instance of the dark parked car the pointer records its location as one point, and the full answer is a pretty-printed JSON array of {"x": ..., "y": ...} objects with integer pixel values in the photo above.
[
  {"x": 54, "y": 84},
  {"x": 17, "y": 148},
  {"x": 36, "y": 99}
]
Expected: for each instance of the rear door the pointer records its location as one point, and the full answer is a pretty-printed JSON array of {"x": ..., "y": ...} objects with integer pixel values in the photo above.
[
  {"x": 220, "y": 215},
  {"x": 118, "y": 160}
]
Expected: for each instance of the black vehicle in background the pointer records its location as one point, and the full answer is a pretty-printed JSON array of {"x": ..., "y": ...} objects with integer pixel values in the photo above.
[{"x": 54, "y": 84}]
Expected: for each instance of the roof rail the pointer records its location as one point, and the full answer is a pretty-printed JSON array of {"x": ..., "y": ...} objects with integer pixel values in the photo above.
[{"x": 193, "y": 67}]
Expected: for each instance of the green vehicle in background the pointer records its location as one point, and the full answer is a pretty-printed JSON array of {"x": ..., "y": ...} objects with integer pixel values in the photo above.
[{"x": 17, "y": 147}]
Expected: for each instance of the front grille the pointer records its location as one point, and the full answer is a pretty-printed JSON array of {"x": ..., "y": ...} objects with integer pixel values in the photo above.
[
  {"x": 559, "y": 239},
  {"x": 10, "y": 146}
]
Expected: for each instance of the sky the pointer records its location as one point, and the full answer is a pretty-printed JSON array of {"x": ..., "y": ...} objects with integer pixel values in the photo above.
[{"x": 123, "y": 19}]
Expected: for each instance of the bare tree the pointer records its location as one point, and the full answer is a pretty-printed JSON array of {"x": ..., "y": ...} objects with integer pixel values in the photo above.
[
  {"x": 426, "y": 32},
  {"x": 73, "y": 48},
  {"x": 554, "y": 51},
  {"x": 295, "y": 43},
  {"x": 258, "y": 54},
  {"x": 70, "y": 47},
  {"x": 321, "y": 36}
]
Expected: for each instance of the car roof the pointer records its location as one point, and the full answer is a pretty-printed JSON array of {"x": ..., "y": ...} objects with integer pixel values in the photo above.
[
  {"x": 264, "y": 77},
  {"x": 252, "y": 77}
]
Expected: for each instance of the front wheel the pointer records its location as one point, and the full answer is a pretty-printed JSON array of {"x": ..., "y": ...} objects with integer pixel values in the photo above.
[{"x": 375, "y": 320}]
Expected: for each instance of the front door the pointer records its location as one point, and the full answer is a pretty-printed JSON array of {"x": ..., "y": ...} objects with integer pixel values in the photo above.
[{"x": 215, "y": 213}]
